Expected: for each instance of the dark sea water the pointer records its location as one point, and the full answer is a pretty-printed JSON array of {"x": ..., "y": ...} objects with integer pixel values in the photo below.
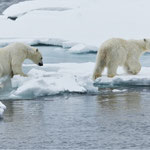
[{"x": 77, "y": 121}]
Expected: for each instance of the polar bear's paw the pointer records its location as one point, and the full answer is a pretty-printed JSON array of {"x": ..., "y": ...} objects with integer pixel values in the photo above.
[{"x": 96, "y": 75}]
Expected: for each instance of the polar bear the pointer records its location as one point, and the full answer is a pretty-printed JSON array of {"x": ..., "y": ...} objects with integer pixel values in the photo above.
[
  {"x": 13, "y": 55},
  {"x": 119, "y": 52}
]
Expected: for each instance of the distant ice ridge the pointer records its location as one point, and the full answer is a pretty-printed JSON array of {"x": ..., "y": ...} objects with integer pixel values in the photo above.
[
  {"x": 56, "y": 79},
  {"x": 2, "y": 108},
  {"x": 72, "y": 47}
]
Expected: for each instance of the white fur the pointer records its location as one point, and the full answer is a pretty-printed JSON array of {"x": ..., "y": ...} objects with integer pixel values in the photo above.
[
  {"x": 12, "y": 57},
  {"x": 119, "y": 52}
]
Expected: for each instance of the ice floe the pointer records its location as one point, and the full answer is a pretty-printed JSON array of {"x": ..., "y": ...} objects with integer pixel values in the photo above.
[
  {"x": 66, "y": 77},
  {"x": 56, "y": 79},
  {"x": 125, "y": 80},
  {"x": 2, "y": 108}
]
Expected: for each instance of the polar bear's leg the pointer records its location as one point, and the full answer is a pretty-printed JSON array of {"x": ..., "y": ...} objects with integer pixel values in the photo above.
[
  {"x": 112, "y": 69},
  {"x": 17, "y": 70},
  {"x": 100, "y": 65},
  {"x": 133, "y": 67}
]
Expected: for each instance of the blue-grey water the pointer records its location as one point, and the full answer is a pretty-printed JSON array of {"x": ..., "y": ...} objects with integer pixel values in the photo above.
[
  {"x": 54, "y": 54},
  {"x": 117, "y": 121},
  {"x": 78, "y": 121}
]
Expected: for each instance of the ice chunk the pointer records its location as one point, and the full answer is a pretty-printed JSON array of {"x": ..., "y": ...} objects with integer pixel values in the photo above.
[
  {"x": 2, "y": 108},
  {"x": 119, "y": 91},
  {"x": 81, "y": 48},
  {"x": 125, "y": 80},
  {"x": 69, "y": 77}
]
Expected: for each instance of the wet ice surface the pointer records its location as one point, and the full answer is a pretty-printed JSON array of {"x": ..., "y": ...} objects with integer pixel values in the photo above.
[{"x": 115, "y": 121}]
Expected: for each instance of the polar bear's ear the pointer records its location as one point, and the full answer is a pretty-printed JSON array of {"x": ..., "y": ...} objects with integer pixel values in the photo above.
[
  {"x": 37, "y": 50},
  {"x": 144, "y": 40}
]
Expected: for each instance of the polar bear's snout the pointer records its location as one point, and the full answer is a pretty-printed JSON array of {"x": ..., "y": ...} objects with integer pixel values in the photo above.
[
  {"x": 40, "y": 64},
  {"x": 41, "y": 61}
]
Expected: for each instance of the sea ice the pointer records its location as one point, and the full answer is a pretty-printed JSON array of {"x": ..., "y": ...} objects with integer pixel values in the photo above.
[
  {"x": 55, "y": 79},
  {"x": 2, "y": 108},
  {"x": 67, "y": 77},
  {"x": 85, "y": 23},
  {"x": 125, "y": 80}
]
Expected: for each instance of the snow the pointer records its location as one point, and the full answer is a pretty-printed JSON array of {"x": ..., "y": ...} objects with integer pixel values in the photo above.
[
  {"x": 124, "y": 80},
  {"x": 2, "y": 108},
  {"x": 52, "y": 5},
  {"x": 53, "y": 79},
  {"x": 81, "y": 25},
  {"x": 57, "y": 79}
]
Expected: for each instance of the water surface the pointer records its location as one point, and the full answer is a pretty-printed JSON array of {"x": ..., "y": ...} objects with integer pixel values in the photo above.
[{"x": 115, "y": 121}]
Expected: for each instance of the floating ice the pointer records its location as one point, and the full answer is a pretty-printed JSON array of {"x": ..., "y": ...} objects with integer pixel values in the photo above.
[
  {"x": 81, "y": 48},
  {"x": 119, "y": 91},
  {"x": 2, "y": 108},
  {"x": 55, "y": 79},
  {"x": 125, "y": 80},
  {"x": 67, "y": 77}
]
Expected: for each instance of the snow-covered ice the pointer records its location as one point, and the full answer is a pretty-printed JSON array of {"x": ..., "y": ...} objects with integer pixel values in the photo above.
[
  {"x": 2, "y": 108},
  {"x": 53, "y": 79},
  {"x": 82, "y": 25},
  {"x": 56, "y": 79},
  {"x": 125, "y": 80}
]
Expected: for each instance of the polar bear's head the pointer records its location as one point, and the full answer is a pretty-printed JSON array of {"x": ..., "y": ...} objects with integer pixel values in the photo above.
[{"x": 37, "y": 57}]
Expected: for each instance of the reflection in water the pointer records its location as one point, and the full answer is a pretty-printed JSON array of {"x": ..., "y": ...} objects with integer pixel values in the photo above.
[
  {"x": 9, "y": 112},
  {"x": 21, "y": 109},
  {"x": 120, "y": 101},
  {"x": 7, "y": 87}
]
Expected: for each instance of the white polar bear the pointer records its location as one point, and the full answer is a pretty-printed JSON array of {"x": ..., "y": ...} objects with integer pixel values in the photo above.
[
  {"x": 13, "y": 55},
  {"x": 119, "y": 52}
]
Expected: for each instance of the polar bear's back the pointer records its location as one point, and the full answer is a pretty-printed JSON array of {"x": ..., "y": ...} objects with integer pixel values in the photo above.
[
  {"x": 115, "y": 44},
  {"x": 115, "y": 49},
  {"x": 15, "y": 46}
]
